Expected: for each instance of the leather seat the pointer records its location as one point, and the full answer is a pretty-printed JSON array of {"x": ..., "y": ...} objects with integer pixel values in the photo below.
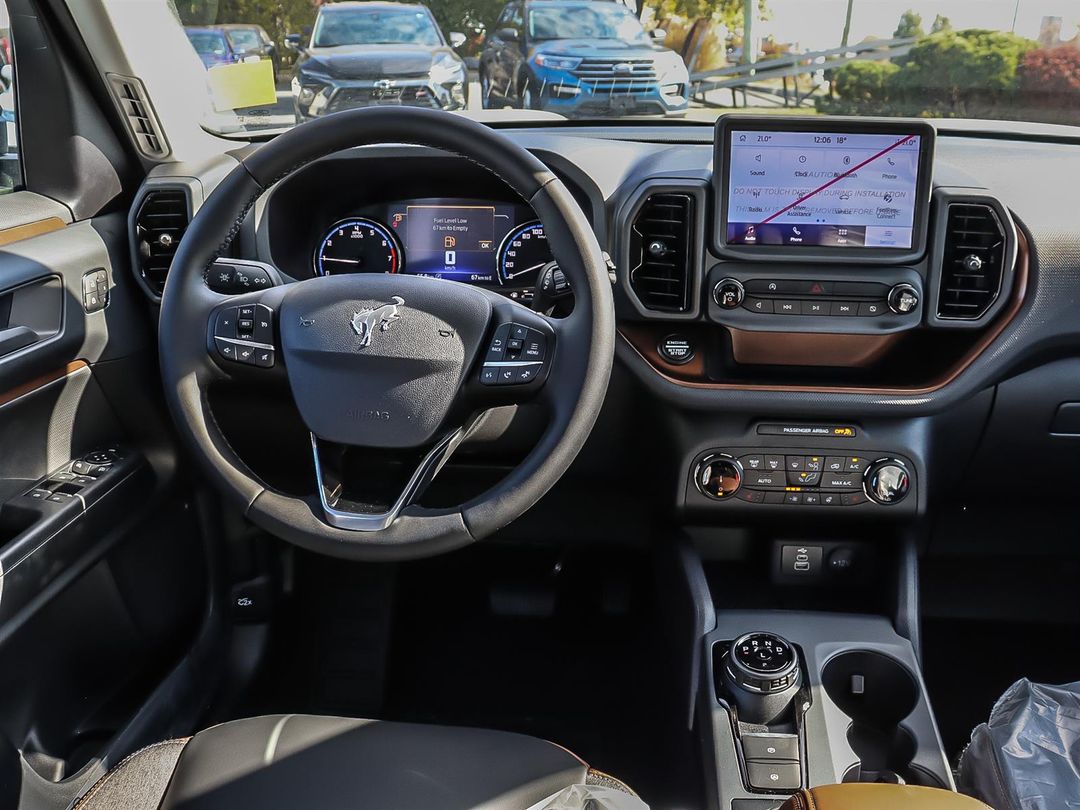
[
  {"x": 325, "y": 763},
  {"x": 857, "y": 796}
]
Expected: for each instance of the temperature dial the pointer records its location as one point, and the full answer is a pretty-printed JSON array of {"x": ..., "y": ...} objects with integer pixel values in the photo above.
[{"x": 887, "y": 481}]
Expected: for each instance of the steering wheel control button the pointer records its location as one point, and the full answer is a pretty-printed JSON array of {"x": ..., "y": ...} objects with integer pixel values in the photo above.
[
  {"x": 887, "y": 482},
  {"x": 903, "y": 299},
  {"x": 676, "y": 349},
  {"x": 226, "y": 348},
  {"x": 489, "y": 375},
  {"x": 226, "y": 323},
  {"x": 728, "y": 293},
  {"x": 515, "y": 355},
  {"x": 719, "y": 476},
  {"x": 497, "y": 348},
  {"x": 535, "y": 346}
]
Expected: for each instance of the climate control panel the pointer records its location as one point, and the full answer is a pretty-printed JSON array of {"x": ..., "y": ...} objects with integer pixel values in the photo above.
[{"x": 799, "y": 477}]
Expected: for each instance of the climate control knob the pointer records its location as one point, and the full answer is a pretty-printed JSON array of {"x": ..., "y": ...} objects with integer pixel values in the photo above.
[
  {"x": 718, "y": 476},
  {"x": 887, "y": 481}
]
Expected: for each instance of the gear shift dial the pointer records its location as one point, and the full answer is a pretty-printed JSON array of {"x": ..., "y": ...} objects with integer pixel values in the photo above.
[{"x": 762, "y": 675}]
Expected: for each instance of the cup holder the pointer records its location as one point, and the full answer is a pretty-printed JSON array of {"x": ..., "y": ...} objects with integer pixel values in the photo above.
[{"x": 877, "y": 692}]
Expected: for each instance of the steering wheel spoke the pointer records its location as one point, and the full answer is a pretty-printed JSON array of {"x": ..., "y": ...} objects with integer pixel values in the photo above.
[
  {"x": 243, "y": 335},
  {"x": 345, "y": 506}
]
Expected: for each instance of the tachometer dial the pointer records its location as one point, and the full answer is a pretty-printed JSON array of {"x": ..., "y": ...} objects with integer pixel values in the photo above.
[
  {"x": 522, "y": 255},
  {"x": 358, "y": 245}
]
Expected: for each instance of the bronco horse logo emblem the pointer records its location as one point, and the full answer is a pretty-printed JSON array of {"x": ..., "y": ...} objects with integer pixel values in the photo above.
[{"x": 365, "y": 321}]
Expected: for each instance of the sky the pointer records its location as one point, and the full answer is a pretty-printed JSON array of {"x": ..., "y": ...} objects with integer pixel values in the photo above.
[{"x": 818, "y": 24}]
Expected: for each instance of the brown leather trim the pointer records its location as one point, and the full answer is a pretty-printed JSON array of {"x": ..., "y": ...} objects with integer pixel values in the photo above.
[
  {"x": 42, "y": 381},
  {"x": 692, "y": 374},
  {"x": 31, "y": 229},
  {"x": 808, "y": 349}
]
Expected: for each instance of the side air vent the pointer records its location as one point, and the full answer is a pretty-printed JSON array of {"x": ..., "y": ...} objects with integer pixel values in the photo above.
[
  {"x": 661, "y": 244},
  {"x": 973, "y": 262},
  {"x": 162, "y": 218},
  {"x": 141, "y": 120}
]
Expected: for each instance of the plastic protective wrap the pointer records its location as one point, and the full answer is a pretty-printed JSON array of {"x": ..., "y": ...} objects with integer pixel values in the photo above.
[
  {"x": 591, "y": 797},
  {"x": 1027, "y": 757}
]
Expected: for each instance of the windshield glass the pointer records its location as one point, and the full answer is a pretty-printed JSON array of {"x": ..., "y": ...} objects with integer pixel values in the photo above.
[
  {"x": 207, "y": 42},
  {"x": 361, "y": 27},
  {"x": 613, "y": 60},
  {"x": 591, "y": 21}
]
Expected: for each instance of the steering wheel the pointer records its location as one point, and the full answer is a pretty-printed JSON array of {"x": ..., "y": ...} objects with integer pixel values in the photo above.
[{"x": 386, "y": 365}]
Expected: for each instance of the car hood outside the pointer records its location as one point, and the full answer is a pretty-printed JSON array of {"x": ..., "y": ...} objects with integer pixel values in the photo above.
[
  {"x": 372, "y": 61},
  {"x": 598, "y": 47}
]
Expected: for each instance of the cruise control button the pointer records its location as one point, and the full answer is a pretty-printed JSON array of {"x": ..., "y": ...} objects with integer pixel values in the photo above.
[
  {"x": 226, "y": 323},
  {"x": 264, "y": 325},
  {"x": 264, "y": 358},
  {"x": 841, "y": 481},
  {"x": 245, "y": 354},
  {"x": 246, "y": 313}
]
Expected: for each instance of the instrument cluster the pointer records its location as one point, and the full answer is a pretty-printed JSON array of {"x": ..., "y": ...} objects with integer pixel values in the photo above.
[{"x": 494, "y": 244}]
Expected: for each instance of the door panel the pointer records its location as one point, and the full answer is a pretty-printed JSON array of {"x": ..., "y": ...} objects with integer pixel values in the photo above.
[{"x": 102, "y": 569}]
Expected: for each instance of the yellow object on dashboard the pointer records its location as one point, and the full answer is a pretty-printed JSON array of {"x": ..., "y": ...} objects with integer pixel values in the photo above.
[{"x": 245, "y": 84}]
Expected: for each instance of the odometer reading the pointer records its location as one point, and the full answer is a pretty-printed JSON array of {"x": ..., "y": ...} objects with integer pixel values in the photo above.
[
  {"x": 523, "y": 254},
  {"x": 358, "y": 245}
]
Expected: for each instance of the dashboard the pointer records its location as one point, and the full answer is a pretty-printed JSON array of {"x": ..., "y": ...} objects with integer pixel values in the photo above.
[{"x": 927, "y": 300}]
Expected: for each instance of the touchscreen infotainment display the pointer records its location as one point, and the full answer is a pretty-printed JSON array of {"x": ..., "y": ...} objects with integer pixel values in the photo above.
[{"x": 819, "y": 189}]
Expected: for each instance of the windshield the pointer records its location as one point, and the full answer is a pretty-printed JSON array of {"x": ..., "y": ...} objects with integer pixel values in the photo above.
[
  {"x": 207, "y": 42},
  {"x": 591, "y": 21},
  {"x": 361, "y": 27},
  {"x": 616, "y": 60}
]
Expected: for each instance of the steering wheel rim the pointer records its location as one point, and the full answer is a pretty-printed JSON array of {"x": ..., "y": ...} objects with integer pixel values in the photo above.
[{"x": 574, "y": 391}]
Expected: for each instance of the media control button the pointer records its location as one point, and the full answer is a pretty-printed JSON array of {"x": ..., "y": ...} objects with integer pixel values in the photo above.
[
  {"x": 762, "y": 305},
  {"x": 844, "y": 309},
  {"x": 787, "y": 307},
  {"x": 815, "y": 307},
  {"x": 728, "y": 293},
  {"x": 871, "y": 309}
]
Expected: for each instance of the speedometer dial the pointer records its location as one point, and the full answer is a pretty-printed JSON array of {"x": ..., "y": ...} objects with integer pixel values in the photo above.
[
  {"x": 358, "y": 245},
  {"x": 522, "y": 255}
]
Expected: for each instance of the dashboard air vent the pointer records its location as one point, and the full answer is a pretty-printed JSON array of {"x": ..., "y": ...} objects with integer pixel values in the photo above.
[
  {"x": 661, "y": 246},
  {"x": 160, "y": 223},
  {"x": 139, "y": 115},
  {"x": 973, "y": 262}
]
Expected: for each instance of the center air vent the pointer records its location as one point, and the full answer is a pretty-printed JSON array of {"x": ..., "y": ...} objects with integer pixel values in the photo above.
[
  {"x": 973, "y": 262},
  {"x": 160, "y": 223},
  {"x": 660, "y": 247}
]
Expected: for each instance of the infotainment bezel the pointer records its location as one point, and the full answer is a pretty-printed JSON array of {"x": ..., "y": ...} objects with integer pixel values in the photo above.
[{"x": 726, "y": 124}]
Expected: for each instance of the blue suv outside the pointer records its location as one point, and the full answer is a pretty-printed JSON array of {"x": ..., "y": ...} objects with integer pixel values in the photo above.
[{"x": 580, "y": 58}]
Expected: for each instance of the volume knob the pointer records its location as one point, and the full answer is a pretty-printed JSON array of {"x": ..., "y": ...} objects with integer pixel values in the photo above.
[{"x": 887, "y": 481}]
